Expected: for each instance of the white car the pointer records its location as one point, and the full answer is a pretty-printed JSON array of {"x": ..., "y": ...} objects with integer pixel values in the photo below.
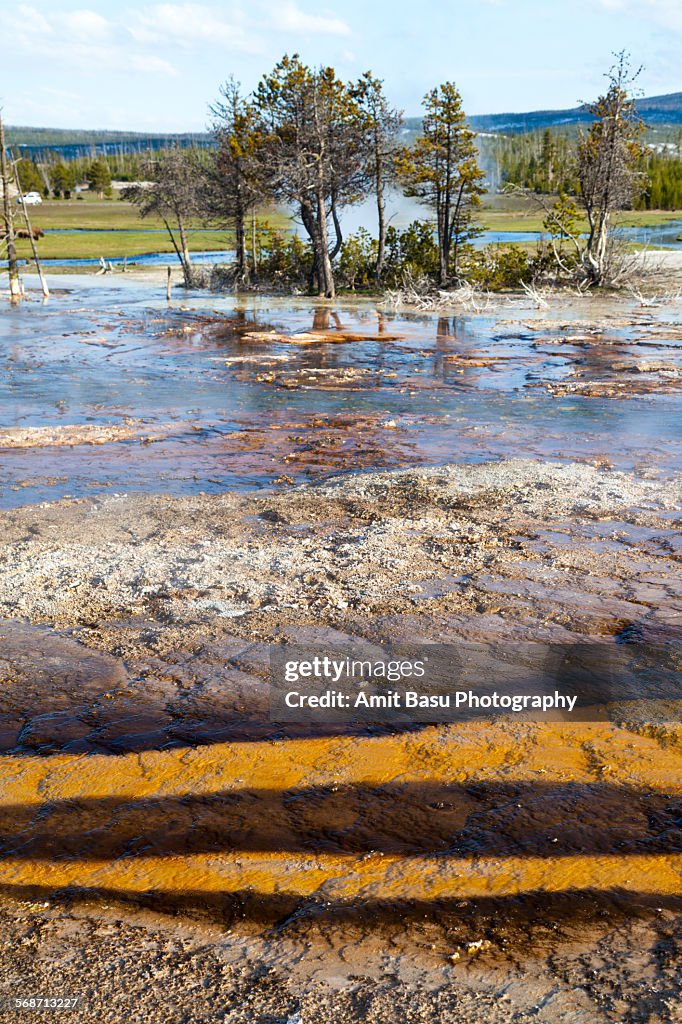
[{"x": 30, "y": 199}]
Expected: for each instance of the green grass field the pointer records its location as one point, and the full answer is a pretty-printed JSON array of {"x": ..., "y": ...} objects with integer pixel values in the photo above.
[
  {"x": 88, "y": 214},
  {"x": 110, "y": 244},
  {"x": 519, "y": 220},
  {"x": 113, "y": 228}
]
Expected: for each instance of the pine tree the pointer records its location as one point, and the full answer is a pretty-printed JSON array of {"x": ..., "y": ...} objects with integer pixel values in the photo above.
[
  {"x": 30, "y": 179},
  {"x": 238, "y": 177},
  {"x": 99, "y": 177},
  {"x": 441, "y": 170},
  {"x": 318, "y": 146},
  {"x": 62, "y": 179}
]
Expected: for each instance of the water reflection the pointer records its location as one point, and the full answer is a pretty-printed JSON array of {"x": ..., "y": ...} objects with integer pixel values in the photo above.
[{"x": 219, "y": 393}]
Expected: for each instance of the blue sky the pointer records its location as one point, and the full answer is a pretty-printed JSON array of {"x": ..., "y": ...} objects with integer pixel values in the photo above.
[{"x": 156, "y": 66}]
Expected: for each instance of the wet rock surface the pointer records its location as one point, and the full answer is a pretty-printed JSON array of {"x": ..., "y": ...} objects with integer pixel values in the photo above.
[
  {"x": 166, "y": 856},
  {"x": 563, "y": 547},
  {"x": 139, "y": 965}
]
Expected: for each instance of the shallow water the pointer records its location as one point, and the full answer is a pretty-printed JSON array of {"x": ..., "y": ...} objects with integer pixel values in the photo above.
[
  {"x": 200, "y": 406},
  {"x": 145, "y": 259}
]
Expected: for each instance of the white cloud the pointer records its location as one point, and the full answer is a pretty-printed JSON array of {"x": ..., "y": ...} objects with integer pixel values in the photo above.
[
  {"x": 33, "y": 18},
  {"x": 80, "y": 40},
  {"x": 149, "y": 37},
  {"x": 155, "y": 39},
  {"x": 86, "y": 26},
  {"x": 290, "y": 18},
  {"x": 187, "y": 25},
  {"x": 148, "y": 63}
]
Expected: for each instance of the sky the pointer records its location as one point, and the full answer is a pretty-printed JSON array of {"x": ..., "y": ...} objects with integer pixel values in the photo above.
[{"x": 158, "y": 66}]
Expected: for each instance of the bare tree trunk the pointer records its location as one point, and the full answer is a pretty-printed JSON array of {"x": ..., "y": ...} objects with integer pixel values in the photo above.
[
  {"x": 444, "y": 267},
  {"x": 381, "y": 215},
  {"x": 254, "y": 242},
  {"x": 34, "y": 249},
  {"x": 381, "y": 206},
  {"x": 186, "y": 258},
  {"x": 323, "y": 259},
  {"x": 175, "y": 245},
  {"x": 14, "y": 282},
  {"x": 337, "y": 229},
  {"x": 442, "y": 250},
  {"x": 454, "y": 229},
  {"x": 445, "y": 249},
  {"x": 242, "y": 263},
  {"x": 594, "y": 259},
  {"x": 321, "y": 240},
  {"x": 603, "y": 248},
  {"x": 240, "y": 243},
  {"x": 308, "y": 220}
]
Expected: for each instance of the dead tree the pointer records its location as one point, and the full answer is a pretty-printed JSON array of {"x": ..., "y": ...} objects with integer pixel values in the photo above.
[
  {"x": 31, "y": 233},
  {"x": 6, "y": 178},
  {"x": 173, "y": 193},
  {"x": 609, "y": 159}
]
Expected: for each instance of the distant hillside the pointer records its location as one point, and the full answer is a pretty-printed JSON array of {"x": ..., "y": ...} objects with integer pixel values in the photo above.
[
  {"x": 77, "y": 142},
  {"x": 656, "y": 110}
]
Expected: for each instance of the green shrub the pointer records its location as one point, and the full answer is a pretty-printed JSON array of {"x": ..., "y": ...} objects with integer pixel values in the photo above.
[
  {"x": 284, "y": 259},
  {"x": 357, "y": 260},
  {"x": 410, "y": 252},
  {"x": 497, "y": 267}
]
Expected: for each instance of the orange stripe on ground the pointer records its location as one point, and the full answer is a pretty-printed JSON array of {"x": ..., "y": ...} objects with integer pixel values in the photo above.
[
  {"x": 473, "y": 752},
  {"x": 338, "y": 878}
]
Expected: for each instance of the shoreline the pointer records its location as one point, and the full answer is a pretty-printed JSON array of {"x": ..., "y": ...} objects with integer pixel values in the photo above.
[{"x": 648, "y": 265}]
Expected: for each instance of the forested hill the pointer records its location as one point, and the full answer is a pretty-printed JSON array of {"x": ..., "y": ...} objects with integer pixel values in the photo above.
[
  {"x": 656, "y": 110},
  {"x": 80, "y": 141}
]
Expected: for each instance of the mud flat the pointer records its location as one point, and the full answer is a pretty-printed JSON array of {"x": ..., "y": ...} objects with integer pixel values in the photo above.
[
  {"x": 168, "y": 854},
  {"x": 530, "y": 548}
]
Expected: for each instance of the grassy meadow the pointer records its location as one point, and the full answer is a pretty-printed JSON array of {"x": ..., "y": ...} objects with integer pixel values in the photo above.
[{"x": 112, "y": 227}]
